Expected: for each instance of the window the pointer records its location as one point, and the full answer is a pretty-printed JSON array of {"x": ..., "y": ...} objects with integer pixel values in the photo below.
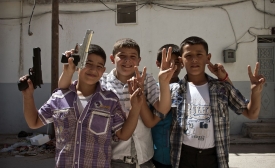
[{"x": 126, "y": 13}]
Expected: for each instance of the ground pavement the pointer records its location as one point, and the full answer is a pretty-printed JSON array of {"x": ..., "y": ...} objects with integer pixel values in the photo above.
[{"x": 243, "y": 154}]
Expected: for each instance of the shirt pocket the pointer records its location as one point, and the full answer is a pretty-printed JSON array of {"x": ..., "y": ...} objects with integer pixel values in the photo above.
[
  {"x": 64, "y": 117},
  {"x": 99, "y": 122}
]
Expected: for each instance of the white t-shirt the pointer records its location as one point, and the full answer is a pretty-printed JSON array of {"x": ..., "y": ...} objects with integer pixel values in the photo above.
[
  {"x": 82, "y": 102},
  {"x": 198, "y": 129}
]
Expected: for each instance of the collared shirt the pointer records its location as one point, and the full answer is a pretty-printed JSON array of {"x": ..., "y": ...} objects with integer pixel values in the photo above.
[
  {"x": 83, "y": 139},
  {"x": 222, "y": 95},
  {"x": 142, "y": 135}
]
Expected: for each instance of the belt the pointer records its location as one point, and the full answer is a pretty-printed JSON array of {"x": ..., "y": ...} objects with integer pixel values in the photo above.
[
  {"x": 127, "y": 160},
  {"x": 197, "y": 150}
]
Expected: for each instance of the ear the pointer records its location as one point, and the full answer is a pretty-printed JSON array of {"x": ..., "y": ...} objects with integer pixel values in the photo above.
[
  {"x": 139, "y": 59},
  {"x": 209, "y": 56},
  {"x": 112, "y": 58},
  {"x": 181, "y": 62},
  {"x": 158, "y": 64}
]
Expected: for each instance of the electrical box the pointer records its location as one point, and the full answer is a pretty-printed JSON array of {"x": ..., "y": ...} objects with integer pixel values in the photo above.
[
  {"x": 229, "y": 56},
  {"x": 273, "y": 30}
]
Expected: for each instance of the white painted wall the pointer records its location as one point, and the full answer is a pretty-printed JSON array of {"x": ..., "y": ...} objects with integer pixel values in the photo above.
[{"x": 156, "y": 26}]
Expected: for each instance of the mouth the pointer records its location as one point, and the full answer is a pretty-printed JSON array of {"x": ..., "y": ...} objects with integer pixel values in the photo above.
[
  {"x": 195, "y": 66},
  {"x": 127, "y": 66},
  {"x": 91, "y": 75}
]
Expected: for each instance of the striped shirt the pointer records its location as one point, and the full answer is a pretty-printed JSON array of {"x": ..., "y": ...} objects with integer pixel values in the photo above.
[
  {"x": 142, "y": 135},
  {"x": 83, "y": 139},
  {"x": 222, "y": 95}
]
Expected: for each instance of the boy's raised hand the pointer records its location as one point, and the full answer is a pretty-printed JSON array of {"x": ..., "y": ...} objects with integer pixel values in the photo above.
[
  {"x": 140, "y": 78},
  {"x": 135, "y": 91},
  {"x": 217, "y": 70},
  {"x": 70, "y": 67},
  {"x": 167, "y": 67},
  {"x": 257, "y": 81},
  {"x": 29, "y": 91}
]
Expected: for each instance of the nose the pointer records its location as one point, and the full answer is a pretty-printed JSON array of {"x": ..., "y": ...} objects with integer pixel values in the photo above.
[
  {"x": 126, "y": 59},
  {"x": 194, "y": 59}
]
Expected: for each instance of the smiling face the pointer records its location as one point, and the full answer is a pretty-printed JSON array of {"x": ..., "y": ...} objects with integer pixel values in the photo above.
[
  {"x": 125, "y": 59},
  {"x": 93, "y": 70},
  {"x": 195, "y": 58}
]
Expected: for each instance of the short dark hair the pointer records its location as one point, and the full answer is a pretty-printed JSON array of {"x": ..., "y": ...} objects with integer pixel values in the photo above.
[
  {"x": 126, "y": 43},
  {"x": 96, "y": 49},
  {"x": 192, "y": 41},
  {"x": 175, "y": 50}
]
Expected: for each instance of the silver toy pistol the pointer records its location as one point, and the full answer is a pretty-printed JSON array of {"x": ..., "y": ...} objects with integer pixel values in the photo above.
[{"x": 81, "y": 51}]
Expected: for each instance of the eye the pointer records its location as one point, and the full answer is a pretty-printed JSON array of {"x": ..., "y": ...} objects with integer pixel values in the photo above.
[
  {"x": 121, "y": 56},
  {"x": 99, "y": 67},
  {"x": 187, "y": 56}
]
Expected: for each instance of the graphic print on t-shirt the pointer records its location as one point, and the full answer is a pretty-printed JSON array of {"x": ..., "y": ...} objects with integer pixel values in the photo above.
[{"x": 198, "y": 128}]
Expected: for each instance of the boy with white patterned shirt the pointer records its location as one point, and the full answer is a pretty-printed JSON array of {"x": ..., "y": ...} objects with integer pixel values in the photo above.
[{"x": 126, "y": 56}]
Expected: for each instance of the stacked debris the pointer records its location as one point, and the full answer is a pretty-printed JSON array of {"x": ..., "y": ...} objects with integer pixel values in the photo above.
[{"x": 30, "y": 145}]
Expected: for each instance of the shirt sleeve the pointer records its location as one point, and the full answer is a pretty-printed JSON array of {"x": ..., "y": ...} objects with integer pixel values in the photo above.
[
  {"x": 45, "y": 112},
  {"x": 151, "y": 89},
  {"x": 236, "y": 101},
  {"x": 119, "y": 118},
  {"x": 174, "y": 94}
]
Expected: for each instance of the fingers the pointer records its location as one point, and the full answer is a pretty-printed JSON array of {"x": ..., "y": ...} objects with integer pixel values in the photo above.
[
  {"x": 209, "y": 63},
  {"x": 69, "y": 53},
  {"x": 130, "y": 88},
  {"x": 249, "y": 71},
  {"x": 256, "y": 70},
  {"x": 211, "y": 69},
  {"x": 262, "y": 80},
  {"x": 23, "y": 78},
  {"x": 137, "y": 72},
  {"x": 166, "y": 57},
  {"x": 169, "y": 53},
  {"x": 132, "y": 85},
  {"x": 30, "y": 84},
  {"x": 137, "y": 92},
  {"x": 143, "y": 75},
  {"x": 163, "y": 57}
]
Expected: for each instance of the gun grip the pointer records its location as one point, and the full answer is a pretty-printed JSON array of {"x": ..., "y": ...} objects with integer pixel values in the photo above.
[
  {"x": 64, "y": 59},
  {"x": 22, "y": 85}
]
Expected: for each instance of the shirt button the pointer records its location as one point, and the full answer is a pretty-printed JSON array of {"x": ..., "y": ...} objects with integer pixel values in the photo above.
[
  {"x": 75, "y": 162},
  {"x": 79, "y": 122},
  {"x": 77, "y": 142}
]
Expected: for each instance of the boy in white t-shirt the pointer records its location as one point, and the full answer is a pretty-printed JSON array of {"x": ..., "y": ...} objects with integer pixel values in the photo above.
[{"x": 200, "y": 121}]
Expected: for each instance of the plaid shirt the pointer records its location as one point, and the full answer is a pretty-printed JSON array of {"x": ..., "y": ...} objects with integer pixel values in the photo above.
[
  {"x": 222, "y": 95},
  {"x": 83, "y": 139}
]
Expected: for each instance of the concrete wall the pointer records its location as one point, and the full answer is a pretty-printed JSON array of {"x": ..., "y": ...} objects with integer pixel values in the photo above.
[{"x": 156, "y": 26}]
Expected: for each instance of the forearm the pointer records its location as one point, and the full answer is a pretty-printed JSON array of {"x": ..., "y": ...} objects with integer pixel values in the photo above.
[
  {"x": 148, "y": 118},
  {"x": 129, "y": 125},
  {"x": 164, "y": 103},
  {"x": 65, "y": 80},
  {"x": 254, "y": 106},
  {"x": 31, "y": 113}
]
